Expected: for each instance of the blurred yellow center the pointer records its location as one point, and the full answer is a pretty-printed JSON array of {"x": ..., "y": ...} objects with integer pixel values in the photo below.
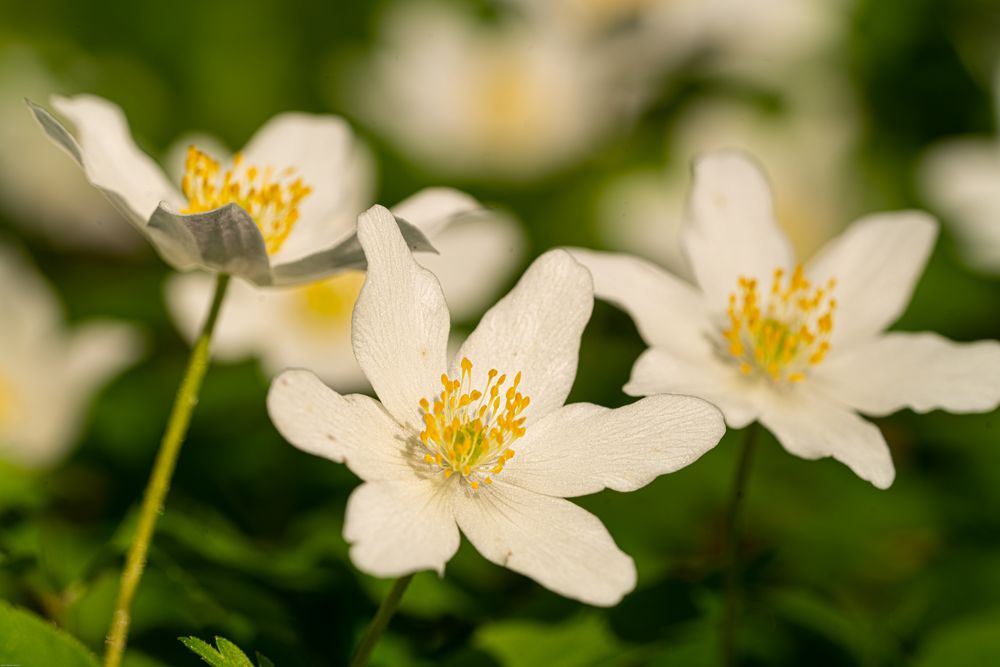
[
  {"x": 602, "y": 14},
  {"x": 469, "y": 432},
  {"x": 269, "y": 196},
  {"x": 505, "y": 103},
  {"x": 330, "y": 301},
  {"x": 6, "y": 399},
  {"x": 785, "y": 336}
]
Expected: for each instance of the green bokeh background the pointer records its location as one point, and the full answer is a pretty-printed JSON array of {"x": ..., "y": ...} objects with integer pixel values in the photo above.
[{"x": 249, "y": 547}]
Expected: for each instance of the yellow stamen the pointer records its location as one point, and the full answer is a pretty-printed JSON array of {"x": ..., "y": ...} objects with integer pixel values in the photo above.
[
  {"x": 469, "y": 431},
  {"x": 272, "y": 201},
  {"x": 785, "y": 336}
]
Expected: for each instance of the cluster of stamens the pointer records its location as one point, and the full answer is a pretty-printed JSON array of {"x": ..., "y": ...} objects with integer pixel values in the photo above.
[
  {"x": 270, "y": 197},
  {"x": 469, "y": 432},
  {"x": 786, "y": 336}
]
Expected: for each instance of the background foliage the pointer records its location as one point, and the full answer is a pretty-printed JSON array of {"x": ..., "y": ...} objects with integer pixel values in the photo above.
[{"x": 249, "y": 546}]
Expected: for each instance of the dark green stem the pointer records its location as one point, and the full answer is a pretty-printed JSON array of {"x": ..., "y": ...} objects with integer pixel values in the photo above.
[
  {"x": 732, "y": 546},
  {"x": 381, "y": 620}
]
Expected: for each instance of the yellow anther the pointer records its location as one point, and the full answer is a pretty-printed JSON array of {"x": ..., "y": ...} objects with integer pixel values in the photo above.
[
  {"x": 779, "y": 337},
  {"x": 274, "y": 206},
  {"x": 468, "y": 432}
]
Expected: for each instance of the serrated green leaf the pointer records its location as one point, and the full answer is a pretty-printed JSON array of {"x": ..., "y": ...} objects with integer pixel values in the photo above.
[
  {"x": 204, "y": 650},
  {"x": 224, "y": 654},
  {"x": 28, "y": 640},
  {"x": 263, "y": 661},
  {"x": 232, "y": 653}
]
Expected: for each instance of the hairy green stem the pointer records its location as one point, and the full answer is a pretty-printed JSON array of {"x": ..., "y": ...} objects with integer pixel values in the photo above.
[
  {"x": 732, "y": 546},
  {"x": 159, "y": 479},
  {"x": 381, "y": 620}
]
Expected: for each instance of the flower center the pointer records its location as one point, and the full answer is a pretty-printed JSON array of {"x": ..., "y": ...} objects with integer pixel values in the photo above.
[
  {"x": 469, "y": 432},
  {"x": 331, "y": 301},
  {"x": 7, "y": 399},
  {"x": 785, "y": 337},
  {"x": 269, "y": 196}
]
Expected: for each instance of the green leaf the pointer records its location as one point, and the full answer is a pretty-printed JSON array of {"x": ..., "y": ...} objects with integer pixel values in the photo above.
[
  {"x": 205, "y": 650},
  {"x": 970, "y": 642},
  {"x": 28, "y": 640},
  {"x": 223, "y": 654},
  {"x": 231, "y": 652},
  {"x": 580, "y": 640}
]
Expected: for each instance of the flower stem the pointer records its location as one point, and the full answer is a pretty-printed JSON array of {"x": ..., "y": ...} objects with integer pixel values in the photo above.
[
  {"x": 381, "y": 620},
  {"x": 732, "y": 545},
  {"x": 159, "y": 479}
]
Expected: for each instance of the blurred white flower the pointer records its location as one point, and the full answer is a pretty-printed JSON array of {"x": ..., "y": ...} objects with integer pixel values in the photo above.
[
  {"x": 483, "y": 444},
  {"x": 802, "y": 350},
  {"x": 475, "y": 100},
  {"x": 757, "y": 38},
  {"x": 48, "y": 373},
  {"x": 40, "y": 190},
  {"x": 310, "y": 326},
  {"x": 277, "y": 214},
  {"x": 642, "y": 212},
  {"x": 962, "y": 178}
]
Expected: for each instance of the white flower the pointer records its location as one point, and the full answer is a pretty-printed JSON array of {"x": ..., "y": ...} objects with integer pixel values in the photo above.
[
  {"x": 757, "y": 37},
  {"x": 483, "y": 444},
  {"x": 48, "y": 374},
  {"x": 309, "y": 326},
  {"x": 42, "y": 191},
  {"x": 802, "y": 350},
  {"x": 642, "y": 212},
  {"x": 962, "y": 178},
  {"x": 500, "y": 101},
  {"x": 274, "y": 215}
]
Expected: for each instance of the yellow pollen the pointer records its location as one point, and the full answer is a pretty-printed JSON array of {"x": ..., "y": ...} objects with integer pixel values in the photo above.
[
  {"x": 330, "y": 302},
  {"x": 469, "y": 432},
  {"x": 784, "y": 336},
  {"x": 270, "y": 197},
  {"x": 7, "y": 399}
]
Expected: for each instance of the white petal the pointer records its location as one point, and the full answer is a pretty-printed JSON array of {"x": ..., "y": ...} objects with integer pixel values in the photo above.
[
  {"x": 535, "y": 330},
  {"x": 224, "y": 240},
  {"x": 431, "y": 209},
  {"x": 876, "y": 263},
  {"x": 668, "y": 312},
  {"x": 561, "y": 546},
  {"x": 312, "y": 329},
  {"x": 960, "y": 177},
  {"x": 30, "y": 308},
  {"x": 921, "y": 371},
  {"x": 98, "y": 350},
  {"x": 476, "y": 255},
  {"x": 658, "y": 371},
  {"x": 344, "y": 255},
  {"x": 401, "y": 322},
  {"x": 322, "y": 150},
  {"x": 110, "y": 158},
  {"x": 396, "y": 528},
  {"x": 354, "y": 430},
  {"x": 583, "y": 448},
  {"x": 812, "y": 427},
  {"x": 245, "y": 322},
  {"x": 732, "y": 230}
]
